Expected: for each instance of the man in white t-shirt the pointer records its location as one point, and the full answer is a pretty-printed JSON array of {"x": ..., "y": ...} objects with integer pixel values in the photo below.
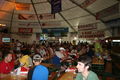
[{"x": 59, "y": 53}]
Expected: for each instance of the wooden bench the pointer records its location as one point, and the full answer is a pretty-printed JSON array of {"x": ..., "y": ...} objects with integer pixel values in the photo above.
[{"x": 52, "y": 76}]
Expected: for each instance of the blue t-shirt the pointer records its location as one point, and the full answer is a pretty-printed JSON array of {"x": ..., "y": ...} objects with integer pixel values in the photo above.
[
  {"x": 56, "y": 61},
  {"x": 40, "y": 73}
]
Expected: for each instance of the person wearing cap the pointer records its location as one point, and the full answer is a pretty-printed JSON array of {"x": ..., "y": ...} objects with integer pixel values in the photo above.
[
  {"x": 59, "y": 59},
  {"x": 60, "y": 52},
  {"x": 38, "y": 72}
]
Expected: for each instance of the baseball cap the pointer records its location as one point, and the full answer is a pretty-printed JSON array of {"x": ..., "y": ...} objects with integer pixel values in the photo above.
[
  {"x": 37, "y": 56},
  {"x": 61, "y": 48}
]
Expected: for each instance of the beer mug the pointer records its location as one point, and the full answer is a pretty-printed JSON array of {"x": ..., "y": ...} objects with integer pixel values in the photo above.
[{"x": 13, "y": 75}]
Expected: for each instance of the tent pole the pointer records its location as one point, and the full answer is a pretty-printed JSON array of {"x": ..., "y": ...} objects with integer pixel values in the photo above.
[
  {"x": 36, "y": 14},
  {"x": 11, "y": 21}
]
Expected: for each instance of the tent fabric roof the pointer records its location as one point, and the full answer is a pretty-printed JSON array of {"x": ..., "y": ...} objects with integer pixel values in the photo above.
[{"x": 72, "y": 13}]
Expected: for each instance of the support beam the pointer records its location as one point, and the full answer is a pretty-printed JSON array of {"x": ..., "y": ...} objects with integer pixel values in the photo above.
[
  {"x": 36, "y": 14},
  {"x": 11, "y": 21},
  {"x": 85, "y": 9}
]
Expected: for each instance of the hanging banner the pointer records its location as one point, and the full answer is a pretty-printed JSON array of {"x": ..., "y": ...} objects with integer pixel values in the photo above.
[
  {"x": 22, "y": 6},
  {"x": 55, "y": 6},
  {"x": 91, "y": 34},
  {"x": 92, "y": 26},
  {"x": 44, "y": 24},
  {"x": 25, "y": 30},
  {"x": 44, "y": 16},
  {"x": 86, "y": 3},
  {"x": 10, "y": 0},
  {"x": 108, "y": 11},
  {"x": 1, "y": 3},
  {"x": 55, "y": 30},
  {"x": 89, "y": 31}
]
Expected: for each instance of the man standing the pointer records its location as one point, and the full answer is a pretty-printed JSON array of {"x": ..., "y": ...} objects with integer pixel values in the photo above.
[
  {"x": 7, "y": 64},
  {"x": 39, "y": 72},
  {"x": 98, "y": 47},
  {"x": 84, "y": 72}
]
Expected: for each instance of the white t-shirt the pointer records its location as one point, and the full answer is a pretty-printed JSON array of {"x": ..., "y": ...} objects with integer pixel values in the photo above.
[{"x": 59, "y": 54}]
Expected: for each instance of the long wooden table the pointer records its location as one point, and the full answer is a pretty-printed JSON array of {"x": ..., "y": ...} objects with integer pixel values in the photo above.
[
  {"x": 97, "y": 61},
  {"x": 12, "y": 77},
  {"x": 67, "y": 76},
  {"x": 19, "y": 77},
  {"x": 48, "y": 65}
]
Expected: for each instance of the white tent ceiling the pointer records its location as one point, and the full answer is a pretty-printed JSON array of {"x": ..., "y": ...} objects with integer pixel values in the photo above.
[{"x": 70, "y": 16}]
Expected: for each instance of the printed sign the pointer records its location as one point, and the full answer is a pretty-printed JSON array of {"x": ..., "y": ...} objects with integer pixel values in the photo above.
[
  {"x": 54, "y": 30},
  {"x": 25, "y": 30},
  {"x": 22, "y": 6},
  {"x": 91, "y": 34},
  {"x": 1, "y": 2},
  {"x": 92, "y": 26},
  {"x": 47, "y": 24},
  {"x": 86, "y": 3}
]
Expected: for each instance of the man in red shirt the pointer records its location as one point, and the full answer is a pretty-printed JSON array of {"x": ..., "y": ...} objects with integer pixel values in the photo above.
[{"x": 7, "y": 64}]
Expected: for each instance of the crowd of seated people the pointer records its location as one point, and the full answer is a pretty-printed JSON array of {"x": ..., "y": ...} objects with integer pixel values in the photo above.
[{"x": 21, "y": 54}]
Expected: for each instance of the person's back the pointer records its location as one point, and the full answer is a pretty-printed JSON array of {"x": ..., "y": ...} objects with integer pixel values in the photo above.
[
  {"x": 40, "y": 73},
  {"x": 56, "y": 61}
]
